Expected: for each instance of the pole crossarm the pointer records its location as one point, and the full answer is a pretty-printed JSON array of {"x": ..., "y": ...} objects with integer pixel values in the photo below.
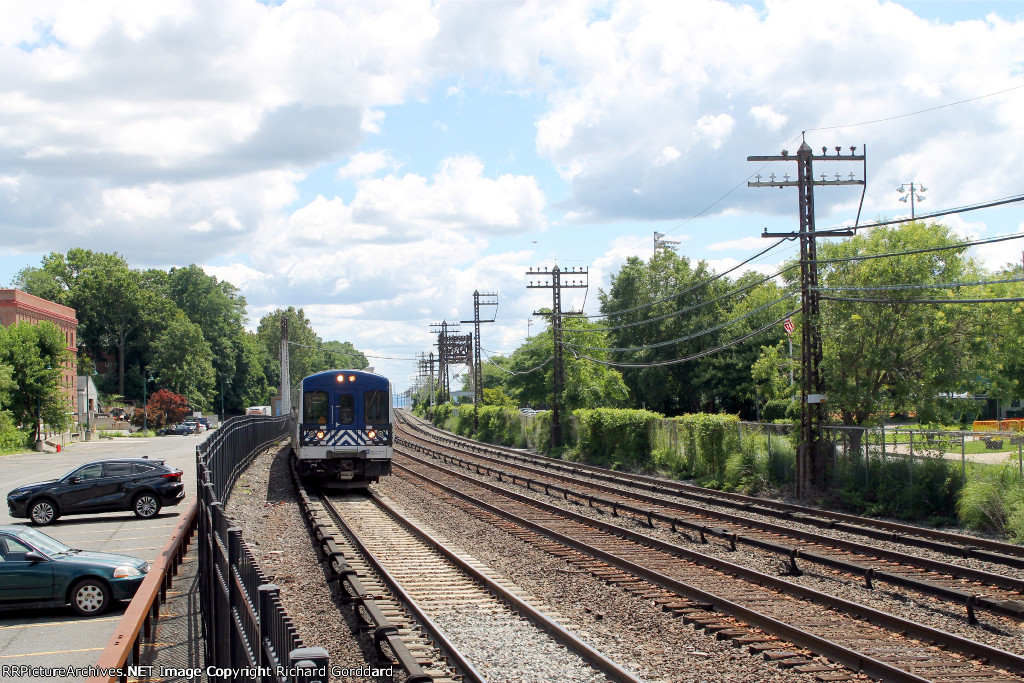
[
  {"x": 810, "y": 472},
  {"x": 556, "y": 286}
]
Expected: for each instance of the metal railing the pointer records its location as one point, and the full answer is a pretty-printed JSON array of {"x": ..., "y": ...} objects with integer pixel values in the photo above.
[
  {"x": 245, "y": 628},
  {"x": 137, "y": 626}
]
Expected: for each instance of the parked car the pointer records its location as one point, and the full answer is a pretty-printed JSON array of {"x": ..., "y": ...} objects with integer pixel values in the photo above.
[
  {"x": 205, "y": 421},
  {"x": 37, "y": 570},
  {"x": 196, "y": 426},
  {"x": 137, "y": 484},
  {"x": 179, "y": 429}
]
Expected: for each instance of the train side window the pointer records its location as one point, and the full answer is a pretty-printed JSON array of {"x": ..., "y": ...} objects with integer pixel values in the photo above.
[
  {"x": 376, "y": 403},
  {"x": 314, "y": 407},
  {"x": 346, "y": 409}
]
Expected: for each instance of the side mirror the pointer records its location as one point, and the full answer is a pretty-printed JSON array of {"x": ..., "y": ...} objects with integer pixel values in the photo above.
[
  {"x": 33, "y": 556},
  {"x": 74, "y": 480}
]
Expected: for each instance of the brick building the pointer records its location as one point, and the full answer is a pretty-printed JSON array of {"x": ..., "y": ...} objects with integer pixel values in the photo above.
[{"x": 16, "y": 306}]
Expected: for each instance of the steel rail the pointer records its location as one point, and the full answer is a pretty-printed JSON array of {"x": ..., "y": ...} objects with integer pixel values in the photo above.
[
  {"x": 441, "y": 640},
  {"x": 837, "y": 652},
  {"x": 950, "y": 543},
  {"x": 1009, "y": 607},
  {"x": 551, "y": 627}
]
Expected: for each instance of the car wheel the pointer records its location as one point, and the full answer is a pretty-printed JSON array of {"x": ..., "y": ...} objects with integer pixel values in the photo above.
[
  {"x": 145, "y": 505},
  {"x": 90, "y": 597},
  {"x": 43, "y": 512}
]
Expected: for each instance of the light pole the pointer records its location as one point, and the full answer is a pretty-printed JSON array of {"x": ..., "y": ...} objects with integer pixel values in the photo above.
[
  {"x": 223, "y": 381},
  {"x": 145, "y": 406},
  {"x": 914, "y": 190},
  {"x": 39, "y": 414}
]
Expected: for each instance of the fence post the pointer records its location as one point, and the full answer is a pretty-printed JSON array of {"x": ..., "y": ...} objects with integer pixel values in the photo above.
[
  {"x": 883, "y": 443},
  {"x": 263, "y": 660},
  {"x": 310, "y": 664},
  {"x": 963, "y": 456},
  {"x": 911, "y": 445},
  {"x": 867, "y": 459}
]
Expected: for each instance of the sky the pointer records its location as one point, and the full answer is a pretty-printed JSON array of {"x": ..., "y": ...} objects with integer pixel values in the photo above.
[{"x": 375, "y": 163}]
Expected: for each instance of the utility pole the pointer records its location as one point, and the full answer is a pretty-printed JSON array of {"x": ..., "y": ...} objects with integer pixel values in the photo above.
[
  {"x": 556, "y": 286},
  {"x": 810, "y": 456},
  {"x": 286, "y": 373},
  {"x": 490, "y": 299},
  {"x": 452, "y": 349}
]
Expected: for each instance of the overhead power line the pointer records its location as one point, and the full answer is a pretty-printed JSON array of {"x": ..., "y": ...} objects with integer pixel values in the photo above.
[
  {"x": 688, "y": 337},
  {"x": 925, "y": 250},
  {"x": 705, "y": 281},
  {"x": 695, "y": 356},
  {"x": 925, "y": 301},
  {"x": 941, "y": 285},
  {"x": 707, "y": 302}
]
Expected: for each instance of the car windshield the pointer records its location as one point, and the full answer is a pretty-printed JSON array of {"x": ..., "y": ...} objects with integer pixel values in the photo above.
[{"x": 41, "y": 541}]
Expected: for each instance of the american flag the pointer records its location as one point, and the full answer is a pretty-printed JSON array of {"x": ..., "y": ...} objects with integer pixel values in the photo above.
[{"x": 789, "y": 326}]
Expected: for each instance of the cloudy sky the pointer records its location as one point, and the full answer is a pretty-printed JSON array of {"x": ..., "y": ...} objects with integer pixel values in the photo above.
[{"x": 376, "y": 162}]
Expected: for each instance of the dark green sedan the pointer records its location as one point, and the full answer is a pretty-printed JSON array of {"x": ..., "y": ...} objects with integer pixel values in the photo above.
[{"x": 36, "y": 570}]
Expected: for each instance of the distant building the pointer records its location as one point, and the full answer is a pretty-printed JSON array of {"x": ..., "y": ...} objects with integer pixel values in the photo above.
[{"x": 16, "y": 306}]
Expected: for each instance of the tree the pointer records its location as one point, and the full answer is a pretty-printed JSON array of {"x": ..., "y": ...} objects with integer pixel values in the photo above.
[
  {"x": 342, "y": 355},
  {"x": 894, "y": 356},
  {"x": 35, "y": 355},
  {"x": 663, "y": 299},
  {"x": 587, "y": 384},
  {"x": 304, "y": 349},
  {"x": 182, "y": 361},
  {"x": 249, "y": 386},
  {"x": 163, "y": 408}
]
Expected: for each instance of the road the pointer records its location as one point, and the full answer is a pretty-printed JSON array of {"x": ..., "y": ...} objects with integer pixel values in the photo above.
[{"x": 57, "y": 637}]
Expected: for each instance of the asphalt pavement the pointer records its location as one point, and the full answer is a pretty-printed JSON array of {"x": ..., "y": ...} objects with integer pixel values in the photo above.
[{"x": 57, "y": 637}]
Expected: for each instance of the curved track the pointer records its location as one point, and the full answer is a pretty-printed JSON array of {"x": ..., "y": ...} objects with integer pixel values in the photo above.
[{"x": 885, "y": 646}]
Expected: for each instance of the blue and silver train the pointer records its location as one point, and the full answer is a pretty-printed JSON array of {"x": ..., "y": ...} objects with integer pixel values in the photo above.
[{"x": 343, "y": 427}]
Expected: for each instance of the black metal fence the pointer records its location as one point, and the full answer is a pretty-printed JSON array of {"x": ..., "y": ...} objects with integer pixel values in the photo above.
[{"x": 246, "y": 633}]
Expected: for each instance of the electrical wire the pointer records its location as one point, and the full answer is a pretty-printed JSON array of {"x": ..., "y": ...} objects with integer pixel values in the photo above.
[
  {"x": 703, "y": 282},
  {"x": 922, "y": 301},
  {"x": 942, "y": 285},
  {"x": 519, "y": 372},
  {"x": 946, "y": 247},
  {"x": 708, "y": 352},
  {"x": 689, "y": 308},
  {"x": 688, "y": 337},
  {"x": 920, "y": 111}
]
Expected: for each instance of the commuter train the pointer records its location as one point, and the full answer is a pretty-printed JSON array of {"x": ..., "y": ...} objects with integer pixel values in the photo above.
[{"x": 342, "y": 427}]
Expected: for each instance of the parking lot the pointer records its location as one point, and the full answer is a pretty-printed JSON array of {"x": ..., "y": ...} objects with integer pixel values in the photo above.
[{"x": 57, "y": 637}]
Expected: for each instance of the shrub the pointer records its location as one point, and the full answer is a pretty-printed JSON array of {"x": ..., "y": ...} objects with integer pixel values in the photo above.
[
  {"x": 11, "y": 438},
  {"x": 708, "y": 440},
  {"x": 611, "y": 436}
]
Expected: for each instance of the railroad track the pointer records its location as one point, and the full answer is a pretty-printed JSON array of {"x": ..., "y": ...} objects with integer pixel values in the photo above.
[
  {"x": 951, "y": 544},
  {"x": 966, "y": 588},
  {"x": 758, "y": 610},
  {"x": 426, "y": 590}
]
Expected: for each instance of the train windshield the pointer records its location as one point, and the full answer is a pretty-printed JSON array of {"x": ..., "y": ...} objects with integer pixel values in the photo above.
[
  {"x": 376, "y": 404},
  {"x": 346, "y": 409},
  {"x": 314, "y": 407}
]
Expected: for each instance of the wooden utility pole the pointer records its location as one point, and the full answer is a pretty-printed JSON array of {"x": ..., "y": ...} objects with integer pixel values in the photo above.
[
  {"x": 489, "y": 299},
  {"x": 556, "y": 286},
  {"x": 811, "y": 453}
]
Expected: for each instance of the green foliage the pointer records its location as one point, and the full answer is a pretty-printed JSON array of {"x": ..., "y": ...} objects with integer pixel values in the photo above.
[
  {"x": 615, "y": 437},
  {"x": 896, "y": 357},
  {"x": 500, "y": 425},
  {"x": 707, "y": 441},
  {"x": 498, "y": 398},
  {"x": 13, "y": 439},
  {"x": 34, "y": 356},
  {"x": 183, "y": 362}
]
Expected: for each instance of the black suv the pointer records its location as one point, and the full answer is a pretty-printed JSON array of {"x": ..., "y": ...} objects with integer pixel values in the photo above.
[{"x": 137, "y": 484}]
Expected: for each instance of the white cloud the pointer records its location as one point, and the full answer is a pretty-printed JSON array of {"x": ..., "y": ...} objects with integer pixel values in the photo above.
[
  {"x": 768, "y": 118},
  {"x": 365, "y": 164}
]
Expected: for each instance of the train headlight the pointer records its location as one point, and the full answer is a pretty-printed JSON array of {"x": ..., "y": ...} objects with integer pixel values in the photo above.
[
  {"x": 320, "y": 435},
  {"x": 340, "y": 378},
  {"x": 372, "y": 434},
  {"x": 351, "y": 378}
]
